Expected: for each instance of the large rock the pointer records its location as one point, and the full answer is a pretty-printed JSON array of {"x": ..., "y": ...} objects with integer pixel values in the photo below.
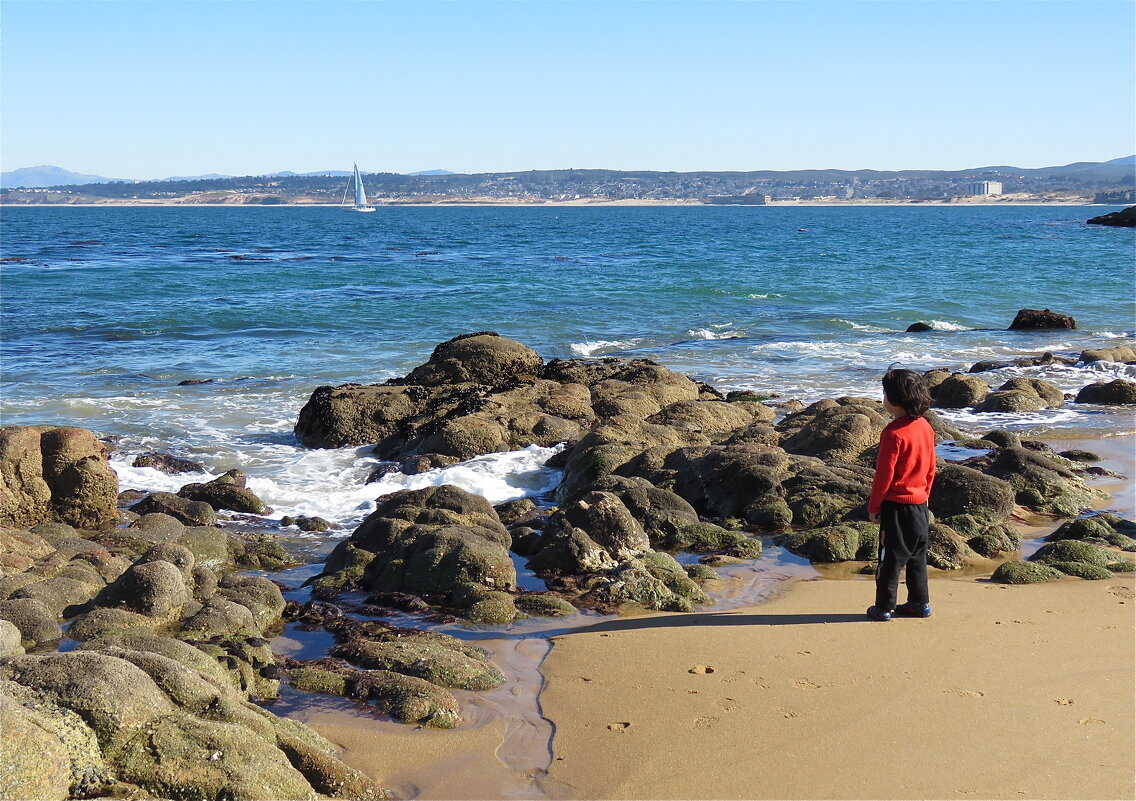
[
  {"x": 1125, "y": 218},
  {"x": 55, "y": 473},
  {"x": 960, "y": 490},
  {"x": 1043, "y": 482},
  {"x": 191, "y": 513},
  {"x": 834, "y": 430},
  {"x": 480, "y": 358},
  {"x": 1044, "y": 319},
  {"x": 1112, "y": 393},
  {"x": 1118, "y": 354},
  {"x": 228, "y": 491},
  {"x": 425, "y": 541},
  {"x": 959, "y": 391}
]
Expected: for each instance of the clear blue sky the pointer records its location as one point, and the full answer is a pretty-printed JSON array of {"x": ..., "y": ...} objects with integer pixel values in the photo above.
[{"x": 165, "y": 87}]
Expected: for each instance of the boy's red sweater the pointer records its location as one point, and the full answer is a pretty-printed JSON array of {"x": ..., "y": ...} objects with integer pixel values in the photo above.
[{"x": 905, "y": 467}]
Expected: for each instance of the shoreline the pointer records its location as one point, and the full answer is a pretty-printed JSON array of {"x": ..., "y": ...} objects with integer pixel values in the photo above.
[
  {"x": 580, "y": 203},
  {"x": 791, "y": 706}
]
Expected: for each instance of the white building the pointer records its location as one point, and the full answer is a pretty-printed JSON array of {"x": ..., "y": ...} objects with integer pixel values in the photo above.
[{"x": 984, "y": 188}]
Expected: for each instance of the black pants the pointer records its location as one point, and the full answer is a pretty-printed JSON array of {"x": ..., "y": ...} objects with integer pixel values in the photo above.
[{"x": 905, "y": 530}]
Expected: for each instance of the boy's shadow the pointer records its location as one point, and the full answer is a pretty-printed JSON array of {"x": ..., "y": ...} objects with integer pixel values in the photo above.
[{"x": 720, "y": 619}]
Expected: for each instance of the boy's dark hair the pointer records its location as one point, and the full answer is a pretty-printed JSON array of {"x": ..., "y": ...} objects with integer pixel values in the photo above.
[{"x": 907, "y": 389}]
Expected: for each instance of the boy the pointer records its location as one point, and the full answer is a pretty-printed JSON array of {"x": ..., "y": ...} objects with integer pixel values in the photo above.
[{"x": 905, "y": 470}]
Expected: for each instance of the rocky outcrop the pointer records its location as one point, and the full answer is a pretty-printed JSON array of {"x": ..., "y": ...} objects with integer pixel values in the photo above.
[
  {"x": 55, "y": 473},
  {"x": 167, "y": 463},
  {"x": 1118, "y": 354},
  {"x": 1125, "y": 218},
  {"x": 959, "y": 391},
  {"x": 229, "y": 491},
  {"x": 1041, "y": 319}
]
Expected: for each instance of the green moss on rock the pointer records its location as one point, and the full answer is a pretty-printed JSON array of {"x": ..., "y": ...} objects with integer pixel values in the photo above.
[
  {"x": 1019, "y": 572},
  {"x": 1082, "y": 570}
]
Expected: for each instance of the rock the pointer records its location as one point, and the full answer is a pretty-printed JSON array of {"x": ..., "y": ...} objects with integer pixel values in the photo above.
[
  {"x": 1048, "y": 392},
  {"x": 1019, "y": 572},
  {"x": 654, "y": 582},
  {"x": 439, "y": 665},
  {"x": 425, "y": 541},
  {"x": 701, "y": 572},
  {"x": 1053, "y": 553},
  {"x": 995, "y": 540},
  {"x": 165, "y": 463},
  {"x": 492, "y": 608},
  {"x": 335, "y": 417},
  {"x": 155, "y": 589},
  {"x": 37, "y": 623},
  {"x": 1032, "y": 319},
  {"x": 19, "y": 550},
  {"x": 1010, "y": 401},
  {"x": 834, "y": 543},
  {"x": 191, "y": 513},
  {"x": 51, "y": 473},
  {"x": 1118, "y": 354},
  {"x": 1042, "y": 482},
  {"x": 919, "y": 328},
  {"x": 517, "y": 511},
  {"x": 1125, "y": 218},
  {"x": 1118, "y": 392},
  {"x": 711, "y": 417},
  {"x": 946, "y": 549},
  {"x": 959, "y": 391},
  {"x": 159, "y": 527},
  {"x": 841, "y": 430},
  {"x": 480, "y": 358},
  {"x": 962, "y": 490},
  {"x": 36, "y": 763},
  {"x": 607, "y": 521},
  {"x": 305, "y": 523},
  {"x": 109, "y": 622},
  {"x": 1082, "y": 570},
  {"x": 57, "y": 594},
  {"x": 543, "y": 605},
  {"x": 10, "y": 639},
  {"x": 1095, "y": 529},
  {"x": 225, "y": 492},
  {"x": 407, "y": 699},
  {"x": 1078, "y": 455}
]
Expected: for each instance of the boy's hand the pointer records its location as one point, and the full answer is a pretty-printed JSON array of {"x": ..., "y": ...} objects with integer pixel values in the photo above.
[{"x": 875, "y": 518}]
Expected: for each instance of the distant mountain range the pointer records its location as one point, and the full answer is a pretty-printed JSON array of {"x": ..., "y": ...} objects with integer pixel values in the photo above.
[{"x": 47, "y": 175}]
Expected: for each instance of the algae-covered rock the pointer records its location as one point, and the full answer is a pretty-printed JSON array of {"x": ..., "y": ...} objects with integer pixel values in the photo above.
[
  {"x": 995, "y": 540},
  {"x": 1019, "y": 572},
  {"x": 228, "y": 491},
  {"x": 1053, "y": 553},
  {"x": 841, "y": 430},
  {"x": 438, "y": 665},
  {"x": 10, "y": 639},
  {"x": 180, "y": 756},
  {"x": 700, "y": 572},
  {"x": 1097, "y": 528},
  {"x": 1044, "y": 482},
  {"x": 542, "y": 605},
  {"x": 833, "y": 543},
  {"x": 946, "y": 549},
  {"x": 959, "y": 391},
  {"x": 1082, "y": 570},
  {"x": 962, "y": 490},
  {"x": 108, "y": 621},
  {"x": 190, "y": 513},
  {"x": 493, "y": 608}
]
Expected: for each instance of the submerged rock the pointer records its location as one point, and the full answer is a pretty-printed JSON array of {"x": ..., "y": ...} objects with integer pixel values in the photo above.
[{"x": 1044, "y": 319}]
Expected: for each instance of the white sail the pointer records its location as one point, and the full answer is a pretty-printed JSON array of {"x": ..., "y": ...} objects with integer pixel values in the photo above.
[{"x": 360, "y": 194}]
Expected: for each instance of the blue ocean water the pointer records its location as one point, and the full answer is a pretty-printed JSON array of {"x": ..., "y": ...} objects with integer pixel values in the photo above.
[{"x": 106, "y": 309}]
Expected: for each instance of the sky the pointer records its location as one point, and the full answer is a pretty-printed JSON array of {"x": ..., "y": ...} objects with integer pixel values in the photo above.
[{"x": 158, "y": 88}]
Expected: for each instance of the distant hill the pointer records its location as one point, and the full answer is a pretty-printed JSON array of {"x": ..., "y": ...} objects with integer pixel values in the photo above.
[
  {"x": 48, "y": 175},
  {"x": 207, "y": 176},
  {"x": 432, "y": 172}
]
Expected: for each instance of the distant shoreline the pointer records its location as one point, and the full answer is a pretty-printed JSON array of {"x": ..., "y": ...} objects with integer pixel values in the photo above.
[{"x": 571, "y": 204}]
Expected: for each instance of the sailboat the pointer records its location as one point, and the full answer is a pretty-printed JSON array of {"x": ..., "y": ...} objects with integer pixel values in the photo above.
[{"x": 360, "y": 194}]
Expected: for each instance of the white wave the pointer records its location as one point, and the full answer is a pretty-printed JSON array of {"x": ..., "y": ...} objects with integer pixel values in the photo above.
[
  {"x": 331, "y": 483},
  {"x": 705, "y": 333},
  {"x": 870, "y": 329},
  {"x": 946, "y": 325},
  {"x": 590, "y": 348},
  {"x": 764, "y": 296},
  {"x": 497, "y": 477}
]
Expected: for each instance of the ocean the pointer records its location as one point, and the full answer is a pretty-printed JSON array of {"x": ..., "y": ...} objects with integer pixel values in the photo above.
[{"x": 107, "y": 310}]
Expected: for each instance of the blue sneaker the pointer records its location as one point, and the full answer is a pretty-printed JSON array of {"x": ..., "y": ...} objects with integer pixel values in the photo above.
[
  {"x": 875, "y": 613},
  {"x": 913, "y": 610}
]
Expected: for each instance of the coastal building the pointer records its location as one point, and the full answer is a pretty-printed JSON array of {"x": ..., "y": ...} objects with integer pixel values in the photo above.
[
  {"x": 1117, "y": 196},
  {"x": 984, "y": 188}
]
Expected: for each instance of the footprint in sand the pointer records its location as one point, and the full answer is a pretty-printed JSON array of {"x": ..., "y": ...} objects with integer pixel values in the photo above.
[
  {"x": 728, "y": 704},
  {"x": 701, "y": 670},
  {"x": 1092, "y": 722},
  {"x": 805, "y": 684},
  {"x": 1064, "y": 701},
  {"x": 705, "y": 722},
  {"x": 1121, "y": 592},
  {"x": 967, "y": 693},
  {"x": 621, "y": 726}
]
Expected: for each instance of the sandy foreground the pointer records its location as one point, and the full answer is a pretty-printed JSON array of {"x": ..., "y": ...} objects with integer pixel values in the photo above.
[{"x": 1007, "y": 692}]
